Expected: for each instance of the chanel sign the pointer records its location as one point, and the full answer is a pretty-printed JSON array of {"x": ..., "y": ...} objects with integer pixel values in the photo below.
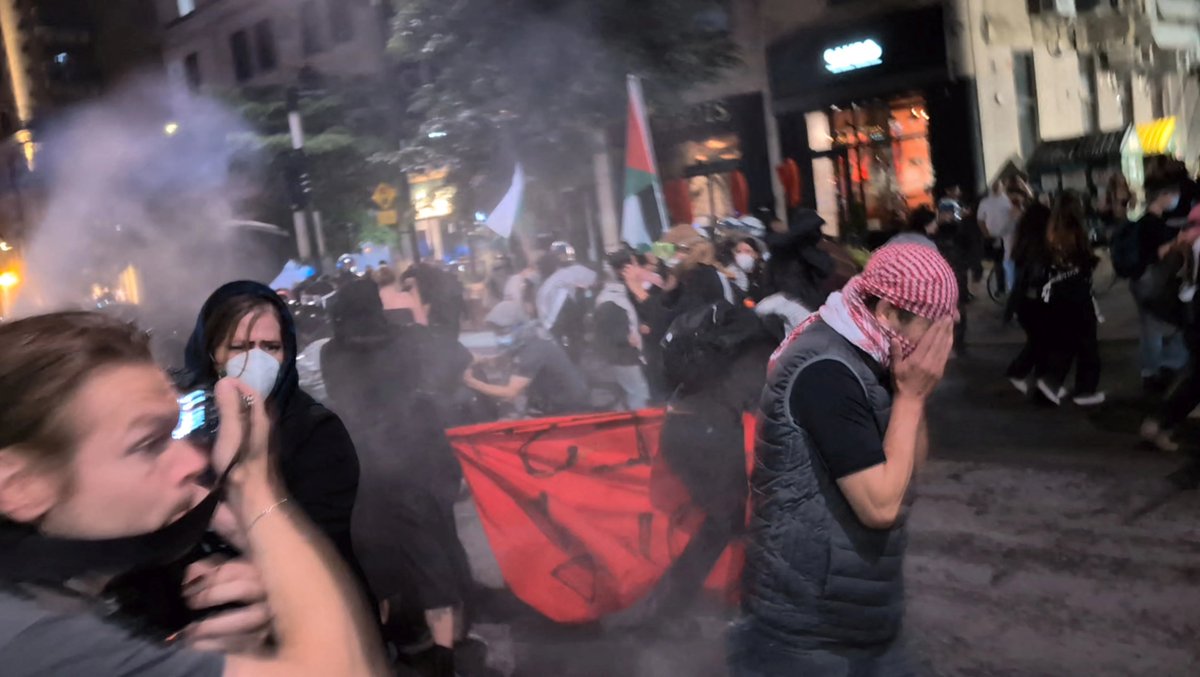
[{"x": 853, "y": 56}]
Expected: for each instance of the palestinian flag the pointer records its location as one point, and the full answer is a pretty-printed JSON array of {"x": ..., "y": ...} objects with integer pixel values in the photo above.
[{"x": 645, "y": 216}]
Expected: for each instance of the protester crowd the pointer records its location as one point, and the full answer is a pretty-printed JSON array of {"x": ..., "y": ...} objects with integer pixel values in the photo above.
[{"x": 314, "y": 531}]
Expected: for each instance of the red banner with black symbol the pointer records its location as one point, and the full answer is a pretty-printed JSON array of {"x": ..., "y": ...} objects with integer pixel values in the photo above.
[{"x": 581, "y": 514}]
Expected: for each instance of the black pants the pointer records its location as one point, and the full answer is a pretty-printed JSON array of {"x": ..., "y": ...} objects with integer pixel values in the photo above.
[
  {"x": 708, "y": 455},
  {"x": 1031, "y": 314},
  {"x": 1070, "y": 337},
  {"x": 753, "y": 653}
]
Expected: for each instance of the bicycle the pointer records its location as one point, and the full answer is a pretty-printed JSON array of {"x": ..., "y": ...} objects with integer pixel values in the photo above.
[
  {"x": 1104, "y": 276},
  {"x": 997, "y": 291}
]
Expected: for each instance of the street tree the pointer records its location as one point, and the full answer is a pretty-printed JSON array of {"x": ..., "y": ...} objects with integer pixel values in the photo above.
[
  {"x": 539, "y": 81},
  {"x": 345, "y": 126}
]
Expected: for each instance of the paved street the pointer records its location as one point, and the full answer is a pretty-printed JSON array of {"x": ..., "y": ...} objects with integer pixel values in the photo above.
[{"x": 1022, "y": 562}]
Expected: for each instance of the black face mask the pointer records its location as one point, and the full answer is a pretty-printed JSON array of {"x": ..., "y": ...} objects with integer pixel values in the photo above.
[{"x": 28, "y": 556}]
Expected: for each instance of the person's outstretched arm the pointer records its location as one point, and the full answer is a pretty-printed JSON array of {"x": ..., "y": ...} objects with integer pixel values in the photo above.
[{"x": 320, "y": 625}]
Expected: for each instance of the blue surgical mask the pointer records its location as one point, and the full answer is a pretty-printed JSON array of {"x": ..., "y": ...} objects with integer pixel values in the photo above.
[
  {"x": 1173, "y": 204},
  {"x": 505, "y": 340}
]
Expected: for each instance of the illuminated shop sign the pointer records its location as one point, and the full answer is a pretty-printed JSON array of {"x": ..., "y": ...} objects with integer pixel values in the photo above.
[{"x": 853, "y": 56}]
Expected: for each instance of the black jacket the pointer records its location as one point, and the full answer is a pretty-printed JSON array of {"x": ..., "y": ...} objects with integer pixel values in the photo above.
[
  {"x": 410, "y": 474},
  {"x": 316, "y": 456},
  {"x": 377, "y": 381}
]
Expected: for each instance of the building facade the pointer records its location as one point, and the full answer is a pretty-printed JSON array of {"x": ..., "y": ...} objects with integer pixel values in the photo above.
[
  {"x": 222, "y": 44},
  {"x": 883, "y": 104},
  {"x": 1065, "y": 85},
  {"x": 55, "y": 54}
]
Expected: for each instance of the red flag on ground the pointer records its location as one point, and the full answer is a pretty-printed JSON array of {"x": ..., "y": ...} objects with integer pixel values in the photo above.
[{"x": 580, "y": 513}]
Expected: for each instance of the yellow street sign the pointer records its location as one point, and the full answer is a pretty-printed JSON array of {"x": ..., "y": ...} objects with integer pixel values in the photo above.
[
  {"x": 387, "y": 217},
  {"x": 384, "y": 196}
]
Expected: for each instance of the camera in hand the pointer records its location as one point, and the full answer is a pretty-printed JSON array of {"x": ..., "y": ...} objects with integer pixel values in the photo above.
[{"x": 198, "y": 418}]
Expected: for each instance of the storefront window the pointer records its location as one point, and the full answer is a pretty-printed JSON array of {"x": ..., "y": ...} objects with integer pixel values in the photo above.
[
  {"x": 708, "y": 165},
  {"x": 431, "y": 196},
  {"x": 873, "y": 163},
  {"x": 711, "y": 195},
  {"x": 433, "y": 202}
]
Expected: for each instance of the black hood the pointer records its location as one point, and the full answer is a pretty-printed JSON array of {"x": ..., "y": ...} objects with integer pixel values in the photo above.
[
  {"x": 357, "y": 315},
  {"x": 798, "y": 266},
  {"x": 199, "y": 364},
  {"x": 804, "y": 230}
]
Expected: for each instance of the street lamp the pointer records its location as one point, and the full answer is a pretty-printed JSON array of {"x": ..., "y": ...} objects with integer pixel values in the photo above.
[
  {"x": 8, "y": 280},
  {"x": 5, "y": 247},
  {"x": 171, "y": 128}
]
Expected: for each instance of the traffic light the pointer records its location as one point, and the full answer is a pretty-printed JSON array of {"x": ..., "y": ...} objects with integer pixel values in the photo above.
[{"x": 297, "y": 178}]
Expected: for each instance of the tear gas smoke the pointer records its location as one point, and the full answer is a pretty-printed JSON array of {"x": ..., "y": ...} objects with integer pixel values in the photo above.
[{"x": 149, "y": 176}]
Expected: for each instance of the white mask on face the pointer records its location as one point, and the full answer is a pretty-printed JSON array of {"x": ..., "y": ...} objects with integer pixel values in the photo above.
[
  {"x": 256, "y": 369},
  {"x": 745, "y": 262}
]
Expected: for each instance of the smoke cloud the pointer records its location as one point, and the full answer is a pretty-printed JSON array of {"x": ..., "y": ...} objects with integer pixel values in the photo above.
[{"x": 149, "y": 176}]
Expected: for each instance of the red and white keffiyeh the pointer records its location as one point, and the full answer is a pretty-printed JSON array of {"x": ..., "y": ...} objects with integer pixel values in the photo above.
[{"x": 911, "y": 277}]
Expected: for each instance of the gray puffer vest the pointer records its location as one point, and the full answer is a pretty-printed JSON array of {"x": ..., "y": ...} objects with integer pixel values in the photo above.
[{"x": 815, "y": 575}]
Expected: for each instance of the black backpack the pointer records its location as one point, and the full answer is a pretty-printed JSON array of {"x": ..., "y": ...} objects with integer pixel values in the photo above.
[
  {"x": 702, "y": 343},
  {"x": 1125, "y": 250}
]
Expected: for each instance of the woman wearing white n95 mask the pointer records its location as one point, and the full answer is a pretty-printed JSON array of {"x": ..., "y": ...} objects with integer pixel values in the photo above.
[
  {"x": 246, "y": 331},
  {"x": 748, "y": 257}
]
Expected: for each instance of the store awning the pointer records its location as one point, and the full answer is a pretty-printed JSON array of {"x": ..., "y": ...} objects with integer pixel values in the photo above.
[
  {"x": 1083, "y": 150},
  {"x": 1158, "y": 136}
]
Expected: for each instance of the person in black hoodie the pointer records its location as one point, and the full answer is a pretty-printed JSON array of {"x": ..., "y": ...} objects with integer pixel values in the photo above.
[
  {"x": 404, "y": 528},
  {"x": 956, "y": 240},
  {"x": 804, "y": 268},
  {"x": 1025, "y": 301},
  {"x": 718, "y": 356},
  {"x": 1071, "y": 321},
  {"x": 241, "y": 328}
]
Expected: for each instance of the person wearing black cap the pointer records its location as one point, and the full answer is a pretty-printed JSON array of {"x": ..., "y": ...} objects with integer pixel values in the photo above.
[
  {"x": 804, "y": 268},
  {"x": 404, "y": 527},
  {"x": 955, "y": 240}
]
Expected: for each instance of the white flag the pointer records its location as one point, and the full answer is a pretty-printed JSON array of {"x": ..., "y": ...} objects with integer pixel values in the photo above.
[{"x": 505, "y": 215}]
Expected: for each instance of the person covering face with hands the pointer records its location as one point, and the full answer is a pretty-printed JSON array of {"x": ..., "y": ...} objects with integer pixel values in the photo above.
[
  {"x": 842, "y": 430},
  {"x": 244, "y": 330}
]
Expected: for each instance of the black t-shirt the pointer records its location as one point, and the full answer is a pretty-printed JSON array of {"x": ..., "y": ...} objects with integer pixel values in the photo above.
[
  {"x": 556, "y": 384},
  {"x": 612, "y": 335},
  {"x": 829, "y": 403}
]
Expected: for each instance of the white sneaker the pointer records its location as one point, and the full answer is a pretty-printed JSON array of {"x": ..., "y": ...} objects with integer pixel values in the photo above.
[
  {"x": 1150, "y": 430},
  {"x": 1022, "y": 386},
  {"x": 1050, "y": 394},
  {"x": 1164, "y": 442},
  {"x": 1089, "y": 400}
]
